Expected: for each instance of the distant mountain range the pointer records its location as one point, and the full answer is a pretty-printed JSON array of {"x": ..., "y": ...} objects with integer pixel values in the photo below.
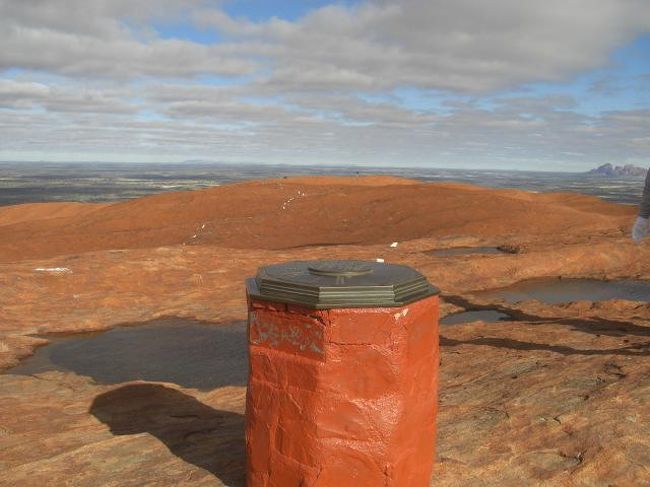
[{"x": 627, "y": 170}]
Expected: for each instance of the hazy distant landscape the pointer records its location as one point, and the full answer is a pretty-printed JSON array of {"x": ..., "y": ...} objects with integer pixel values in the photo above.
[{"x": 43, "y": 182}]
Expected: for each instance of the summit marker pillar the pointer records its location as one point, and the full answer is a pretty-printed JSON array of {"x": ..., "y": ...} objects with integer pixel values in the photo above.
[{"x": 343, "y": 372}]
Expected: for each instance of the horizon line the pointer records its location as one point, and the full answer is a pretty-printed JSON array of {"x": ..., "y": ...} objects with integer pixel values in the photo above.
[{"x": 324, "y": 165}]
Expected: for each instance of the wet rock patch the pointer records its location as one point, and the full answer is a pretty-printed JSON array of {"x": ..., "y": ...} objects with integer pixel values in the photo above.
[
  {"x": 562, "y": 290},
  {"x": 486, "y": 315}
]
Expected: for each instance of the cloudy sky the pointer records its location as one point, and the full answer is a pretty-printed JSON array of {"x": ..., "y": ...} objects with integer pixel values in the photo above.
[{"x": 529, "y": 84}]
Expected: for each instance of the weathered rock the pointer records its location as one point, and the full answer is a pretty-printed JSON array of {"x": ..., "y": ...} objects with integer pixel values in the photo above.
[
  {"x": 626, "y": 170},
  {"x": 256, "y": 215},
  {"x": 559, "y": 397}
]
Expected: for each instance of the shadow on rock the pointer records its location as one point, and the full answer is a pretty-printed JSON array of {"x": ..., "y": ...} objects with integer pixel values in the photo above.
[
  {"x": 208, "y": 438},
  {"x": 592, "y": 325},
  {"x": 639, "y": 350}
]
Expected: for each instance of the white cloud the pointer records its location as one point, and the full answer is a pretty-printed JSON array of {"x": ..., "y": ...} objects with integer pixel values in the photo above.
[
  {"x": 20, "y": 93},
  {"x": 95, "y": 77},
  {"x": 442, "y": 44},
  {"x": 105, "y": 39},
  {"x": 339, "y": 130}
]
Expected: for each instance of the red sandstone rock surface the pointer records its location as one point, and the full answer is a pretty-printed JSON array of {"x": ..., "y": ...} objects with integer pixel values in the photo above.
[
  {"x": 560, "y": 397},
  {"x": 331, "y": 211}
]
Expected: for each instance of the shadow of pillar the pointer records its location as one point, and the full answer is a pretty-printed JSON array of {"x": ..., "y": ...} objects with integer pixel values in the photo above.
[{"x": 208, "y": 438}]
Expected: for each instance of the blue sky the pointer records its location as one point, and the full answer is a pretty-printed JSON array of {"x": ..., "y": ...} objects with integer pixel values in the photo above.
[
  {"x": 261, "y": 10},
  {"x": 558, "y": 85}
]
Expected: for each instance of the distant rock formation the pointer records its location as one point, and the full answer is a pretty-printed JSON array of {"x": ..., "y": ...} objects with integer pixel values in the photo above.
[{"x": 626, "y": 170}]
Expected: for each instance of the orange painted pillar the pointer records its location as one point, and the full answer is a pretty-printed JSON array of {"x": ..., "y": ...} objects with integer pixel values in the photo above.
[{"x": 342, "y": 388}]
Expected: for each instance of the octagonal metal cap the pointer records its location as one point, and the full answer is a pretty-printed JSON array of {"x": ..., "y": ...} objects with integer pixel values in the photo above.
[{"x": 323, "y": 284}]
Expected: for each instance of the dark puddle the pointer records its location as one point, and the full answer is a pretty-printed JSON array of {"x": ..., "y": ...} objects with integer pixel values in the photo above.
[
  {"x": 467, "y": 251},
  {"x": 486, "y": 315},
  {"x": 559, "y": 291},
  {"x": 187, "y": 353}
]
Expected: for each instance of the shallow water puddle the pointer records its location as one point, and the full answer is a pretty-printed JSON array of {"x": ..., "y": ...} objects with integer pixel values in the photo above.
[
  {"x": 558, "y": 291},
  {"x": 465, "y": 251},
  {"x": 180, "y": 351},
  {"x": 486, "y": 315}
]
